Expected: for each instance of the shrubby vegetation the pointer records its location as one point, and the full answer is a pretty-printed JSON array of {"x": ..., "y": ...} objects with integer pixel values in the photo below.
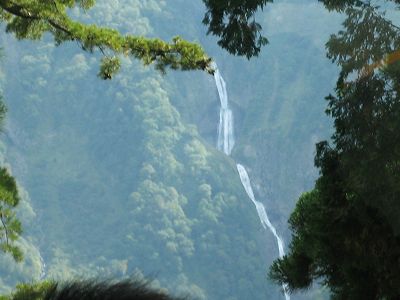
[{"x": 25, "y": 291}]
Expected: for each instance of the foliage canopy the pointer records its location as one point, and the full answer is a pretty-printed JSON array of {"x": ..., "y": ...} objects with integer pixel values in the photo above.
[
  {"x": 346, "y": 230},
  {"x": 234, "y": 22}
]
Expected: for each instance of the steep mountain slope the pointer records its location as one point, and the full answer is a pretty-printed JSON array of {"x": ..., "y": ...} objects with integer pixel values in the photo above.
[{"x": 123, "y": 175}]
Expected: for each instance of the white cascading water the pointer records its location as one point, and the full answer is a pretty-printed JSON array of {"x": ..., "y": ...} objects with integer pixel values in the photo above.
[
  {"x": 244, "y": 178},
  {"x": 43, "y": 271},
  {"x": 226, "y": 139},
  {"x": 225, "y": 143}
]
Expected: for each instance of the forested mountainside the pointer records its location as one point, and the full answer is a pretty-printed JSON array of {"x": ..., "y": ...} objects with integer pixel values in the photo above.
[{"x": 123, "y": 176}]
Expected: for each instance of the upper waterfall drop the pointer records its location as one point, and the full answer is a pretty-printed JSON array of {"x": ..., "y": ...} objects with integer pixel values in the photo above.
[
  {"x": 225, "y": 143},
  {"x": 226, "y": 138}
]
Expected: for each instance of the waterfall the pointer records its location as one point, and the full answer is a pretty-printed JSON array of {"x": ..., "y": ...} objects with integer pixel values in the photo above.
[
  {"x": 226, "y": 139},
  {"x": 225, "y": 143},
  {"x": 43, "y": 264},
  {"x": 262, "y": 214}
]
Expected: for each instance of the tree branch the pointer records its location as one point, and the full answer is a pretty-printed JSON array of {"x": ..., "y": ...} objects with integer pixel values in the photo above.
[
  {"x": 15, "y": 9},
  {"x": 177, "y": 55}
]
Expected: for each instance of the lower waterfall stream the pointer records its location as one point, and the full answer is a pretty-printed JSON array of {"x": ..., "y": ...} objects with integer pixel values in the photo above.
[{"x": 225, "y": 143}]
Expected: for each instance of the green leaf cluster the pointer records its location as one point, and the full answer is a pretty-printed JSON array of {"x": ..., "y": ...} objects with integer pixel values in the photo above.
[
  {"x": 30, "y": 291},
  {"x": 10, "y": 227},
  {"x": 234, "y": 23}
]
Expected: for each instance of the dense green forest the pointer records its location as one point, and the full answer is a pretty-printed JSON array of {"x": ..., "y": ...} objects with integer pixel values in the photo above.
[{"x": 122, "y": 177}]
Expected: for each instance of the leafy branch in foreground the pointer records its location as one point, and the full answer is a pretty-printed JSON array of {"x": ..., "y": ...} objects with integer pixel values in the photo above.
[
  {"x": 31, "y": 19},
  {"x": 234, "y": 23}
]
